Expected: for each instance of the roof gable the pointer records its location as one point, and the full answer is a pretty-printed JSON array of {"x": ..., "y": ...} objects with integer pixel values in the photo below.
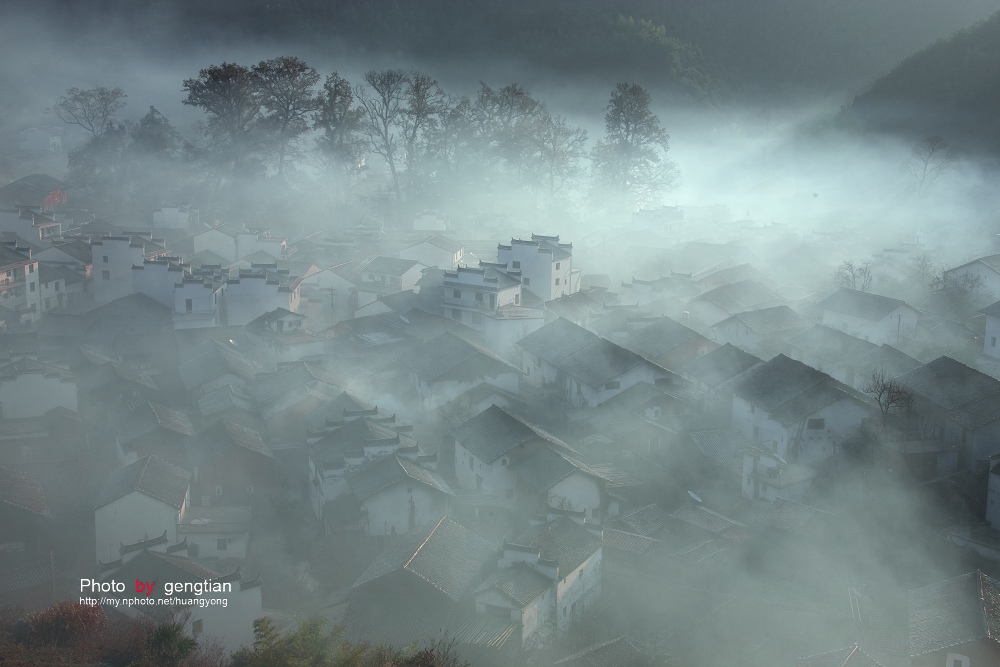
[{"x": 150, "y": 476}]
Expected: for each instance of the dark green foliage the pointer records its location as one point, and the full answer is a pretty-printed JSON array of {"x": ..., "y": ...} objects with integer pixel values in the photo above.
[{"x": 951, "y": 88}]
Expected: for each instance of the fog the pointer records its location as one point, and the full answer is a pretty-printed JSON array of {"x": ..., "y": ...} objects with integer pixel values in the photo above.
[{"x": 715, "y": 384}]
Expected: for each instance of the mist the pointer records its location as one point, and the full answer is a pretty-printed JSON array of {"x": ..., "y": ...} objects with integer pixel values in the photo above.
[{"x": 636, "y": 336}]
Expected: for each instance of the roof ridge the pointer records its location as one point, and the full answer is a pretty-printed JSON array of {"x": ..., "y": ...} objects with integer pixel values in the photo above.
[{"x": 406, "y": 565}]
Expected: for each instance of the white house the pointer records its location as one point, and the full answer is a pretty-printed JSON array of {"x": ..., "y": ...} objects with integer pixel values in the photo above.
[
  {"x": 258, "y": 291},
  {"x": 199, "y": 301},
  {"x": 959, "y": 405},
  {"x": 397, "y": 495},
  {"x": 386, "y": 275},
  {"x": 156, "y": 278},
  {"x": 139, "y": 502},
  {"x": 566, "y": 553},
  {"x": 872, "y": 317},
  {"x": 583, "y": 368},
  {"x": 768, "y": 478},
  {"x": 796, "y": 411},
  {"x": 749, "y": 329},
  {"x": 498, "y": 453},
  {"x": 19, "y": 289},
  {"x": 991, "y": 350},
  {"x": 545, "y": 265},
  {"x": 113, "y": 257},
  {"x": 60, "y": 286},
  {"x": 448, "y": 365},
  {"x": 437, "y": 250},
  {"x": 215, "y": 532},
  {"x": 987, "y": 269}
]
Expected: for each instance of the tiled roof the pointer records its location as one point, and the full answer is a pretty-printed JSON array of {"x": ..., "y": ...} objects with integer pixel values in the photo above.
[
  {"x": 788, "y": 515},
  {"x": 222, "y": 435},
  {"x": 147, "y": 417},
  {"x": 720, "y": 447},
  {"x": 778, "y": 381},
  {"x": 702, "y": 517},
  {"x": 224, "y": 398},
  {"x": 443, "y": 242},
  {"x": 17, "y": 344},
  {"x": 953, "y": 612},
  {"x": 544, "y": 468},
  {"x": 451, "y": 357},
  {"x": 860, "y": 304},
  {"x": 562, "y": 540},
  {"x": 769, "y": 321},
  {"x": 520, "y": 583},
  {"x": 275, "y": 385},
  {"x": 26, "y": 577},
  {"x": 390, "y": 471},
  {"x": 495, "y": 431},
  {"x": 388, "y": 266},
  {"x": 618, "y": 652},
  {"x": 151, "y": 476},
  {"x": 659, "y": 337},
  {"x": 396, "y": 618},
  {"x": 628, "y": 542},
  {"x": 598, "y": 362},
  {"x": 884, "y": 357},
  {"x": 446, "y": 555},
  {"x": 852, "y": 656},
  {"x": 486, "y": 631},
  {"x": 827, "y": 343},
  {"x": 815, "y": 398},
  {"x": 211, "y": 359},
  {"x": 647, "y": 520},
  {"x": 720, "y": 365},
  {"x": 741, "y": 296},
  {"x": 556, "y": 339},
  {"x": 970, "y": 398},
  {"x": 23, "y": 491}
]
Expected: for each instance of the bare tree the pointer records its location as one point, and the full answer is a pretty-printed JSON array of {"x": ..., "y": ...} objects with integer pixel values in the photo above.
[
  {"x": 854, "y": 275},
  {"x": 289, "y": 96},
  {"x": 926, "y": 162},
  {"x": 424, "y": 103},
  {"x": 383, "y": 99},
  {"x": 94, "y": 110},
  {"x": 892, "y": 396},
  {"x": 965, "y": 286}
]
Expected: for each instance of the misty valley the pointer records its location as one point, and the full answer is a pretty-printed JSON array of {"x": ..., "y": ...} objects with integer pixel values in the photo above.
[{"x": 452, "y": 334}]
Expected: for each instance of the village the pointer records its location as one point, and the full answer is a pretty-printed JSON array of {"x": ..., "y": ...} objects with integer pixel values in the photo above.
[{"x": 430, "y": 431}]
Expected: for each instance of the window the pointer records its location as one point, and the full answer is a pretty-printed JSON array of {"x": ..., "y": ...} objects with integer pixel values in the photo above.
[
  {"x": 476, "y": 318},
  {"x": 197, "y": 627},
  {"x": 105, "y": 259},
  {"x": 32, "y": 286},
  {"x": 470, "y": 463},
  {"x": 192, "y": 551},
  {"x": 527, "y": 281},
  {"x": 816, "y": 424},
  {"x": 613, "y": 385},
  {"x": 57, "y": 285},
  {"x": 456, "y": 294},
  {"x": 221, "y": 544},
  {"x": 31, "y": 268},
  {"x": 218, "y": 490},
  {"x": 105, "y": 275},
  {"x": 557, "y": 281},
  {"x": 517, "y": 301},
  {"x": 993, "y": 341},
  {"x": 479, "y": 297},
  {"x": 456, "y": 314},
  {"x": 515, "y": 265},
  {"x": 48, "y": 303},
  {"x": 564, "y": 612},
  {"x": 557, "y": 266},
  {"x": 188, "y": 306}
]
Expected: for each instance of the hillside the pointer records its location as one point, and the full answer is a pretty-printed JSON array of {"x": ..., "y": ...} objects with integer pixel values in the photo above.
[
  {"x": 951, "y": 88},
  {"x": 705, "y": 51}
]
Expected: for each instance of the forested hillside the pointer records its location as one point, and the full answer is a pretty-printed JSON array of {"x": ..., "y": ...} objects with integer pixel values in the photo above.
[
  {"x": 951, "y": 88},
  {"x": 710, "y": 51}
]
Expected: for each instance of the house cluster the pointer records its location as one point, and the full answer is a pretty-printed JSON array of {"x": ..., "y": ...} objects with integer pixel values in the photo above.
[{"x": 496, "y": 439}]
